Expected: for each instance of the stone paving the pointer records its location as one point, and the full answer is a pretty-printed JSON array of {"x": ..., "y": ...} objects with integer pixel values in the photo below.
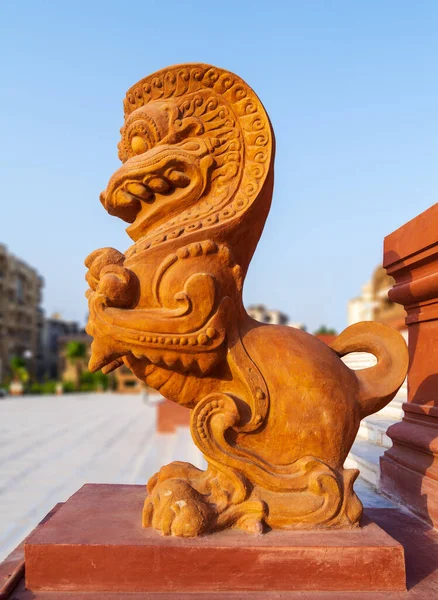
[{"x": 50, "y": 446}]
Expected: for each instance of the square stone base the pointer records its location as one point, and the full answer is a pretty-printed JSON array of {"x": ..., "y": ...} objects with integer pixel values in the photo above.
[{"x": 95, "y": 543}]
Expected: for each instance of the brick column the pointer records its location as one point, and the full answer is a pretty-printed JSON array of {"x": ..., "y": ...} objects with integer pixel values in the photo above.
[{"x": 409, "y": 470}]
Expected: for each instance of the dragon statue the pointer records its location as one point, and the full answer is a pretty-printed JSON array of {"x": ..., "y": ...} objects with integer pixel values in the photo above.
[{"x": 273, "y": 409}]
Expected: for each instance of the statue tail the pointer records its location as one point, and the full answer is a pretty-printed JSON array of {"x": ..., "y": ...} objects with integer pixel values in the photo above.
[{"x": 378, "y": 384}]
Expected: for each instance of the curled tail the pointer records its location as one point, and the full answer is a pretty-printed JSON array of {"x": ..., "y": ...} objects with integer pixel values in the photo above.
[{"x": 378, "y": 384}]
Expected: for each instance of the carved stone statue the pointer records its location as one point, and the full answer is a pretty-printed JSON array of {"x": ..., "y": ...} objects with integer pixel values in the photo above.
[{"x": 273, "y": 409}]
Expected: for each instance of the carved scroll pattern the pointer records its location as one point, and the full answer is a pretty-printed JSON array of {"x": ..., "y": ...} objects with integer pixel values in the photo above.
[
  {"x": 216, "y": 414},
  {"x": 223, "y": 496},
  {"x": 186, "y": 329},
  {"x": 244, "y": 125}
]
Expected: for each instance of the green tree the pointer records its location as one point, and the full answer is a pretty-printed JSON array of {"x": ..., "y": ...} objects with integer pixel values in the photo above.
[
  {"x": 324, "y": 330},
  {"x": 76, "y": 354},
  {"x": 92, "y": 382},
  {"x": 19, "y": 370}
]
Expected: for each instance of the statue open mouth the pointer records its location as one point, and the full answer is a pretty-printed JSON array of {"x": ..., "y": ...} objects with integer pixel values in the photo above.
[{"x": 147, "y": 188}]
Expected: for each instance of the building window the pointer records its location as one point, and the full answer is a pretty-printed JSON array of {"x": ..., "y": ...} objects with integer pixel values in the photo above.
[
  {"x": 20, "y": 290},
  {"x": 53, "y": 343}
]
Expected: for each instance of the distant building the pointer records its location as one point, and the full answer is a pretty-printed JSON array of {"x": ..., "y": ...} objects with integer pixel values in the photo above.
[
  {"x": 21, "y": 315},
  {"x": 127, "y": 382},
  {"x": 259, "y": 312},
  {"x": 55, "y": 328},
  {"x": 374, "y": 305}
]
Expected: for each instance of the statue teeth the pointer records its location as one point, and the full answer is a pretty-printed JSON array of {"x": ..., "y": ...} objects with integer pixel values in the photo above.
[
  {"x": 158, "y": 185},
  {"x": 179, "y": 179},
  {"x": 139, "y": 190}
]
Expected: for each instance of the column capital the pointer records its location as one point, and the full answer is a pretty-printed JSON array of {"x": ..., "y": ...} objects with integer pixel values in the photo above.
[{"x": 411, "y": 258}]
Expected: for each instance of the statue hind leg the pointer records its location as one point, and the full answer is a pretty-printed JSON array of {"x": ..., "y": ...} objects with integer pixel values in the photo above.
[
  {"x": 185, "y": 501},
  {"x": 239, "y": 490}
]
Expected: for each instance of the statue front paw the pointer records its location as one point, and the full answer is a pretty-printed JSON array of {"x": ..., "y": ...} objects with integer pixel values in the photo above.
[
  {"x": 99, "y": 259},
  {"x": 175, "y": 508}
]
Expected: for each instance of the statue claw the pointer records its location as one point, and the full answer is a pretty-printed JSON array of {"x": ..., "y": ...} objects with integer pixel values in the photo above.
[{"x": 175, "y": 508}]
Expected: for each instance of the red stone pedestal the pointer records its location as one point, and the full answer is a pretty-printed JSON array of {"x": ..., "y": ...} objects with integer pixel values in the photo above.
[
  {"x": 409, "y": 470},
  {"x": 171, "y": 415},
  {"x": 95, "y": 543}
]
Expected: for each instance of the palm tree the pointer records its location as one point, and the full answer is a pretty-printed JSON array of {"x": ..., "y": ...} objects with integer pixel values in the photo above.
[
  {"x": 20, "y": 375},
  {"x": 76, "y": 353},
  {"x": 18, "y": 368}
]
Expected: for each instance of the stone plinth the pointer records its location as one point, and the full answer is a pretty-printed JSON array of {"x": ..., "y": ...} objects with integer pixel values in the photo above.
[
  {"x": 410, "y": 468},
  {"x": 95, "y": 543}
]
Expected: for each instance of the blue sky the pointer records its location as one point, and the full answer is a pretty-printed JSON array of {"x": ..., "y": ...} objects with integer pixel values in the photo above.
[{"x": 351, "y": 89}]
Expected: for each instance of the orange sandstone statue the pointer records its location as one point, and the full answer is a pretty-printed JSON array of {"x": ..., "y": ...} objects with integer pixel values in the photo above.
[{"x": 273, "y": 409}]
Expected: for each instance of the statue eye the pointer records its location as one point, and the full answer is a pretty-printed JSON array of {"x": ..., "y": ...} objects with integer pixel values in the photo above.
[
  {"x": 138, "y": 145},
  {"x": 140, "y": 133}
]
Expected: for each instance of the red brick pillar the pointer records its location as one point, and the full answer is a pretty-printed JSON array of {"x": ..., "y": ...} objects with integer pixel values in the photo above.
[{"x": 409, "y": 470}]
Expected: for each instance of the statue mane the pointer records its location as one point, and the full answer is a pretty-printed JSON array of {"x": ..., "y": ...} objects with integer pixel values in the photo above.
[{"x": 221, "y": 129}]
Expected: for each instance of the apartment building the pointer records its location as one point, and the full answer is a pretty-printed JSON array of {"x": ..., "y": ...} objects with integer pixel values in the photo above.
[{"x": 21, "y": 315}]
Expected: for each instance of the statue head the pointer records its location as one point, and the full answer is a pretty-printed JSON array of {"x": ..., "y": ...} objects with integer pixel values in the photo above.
[{"x": 197, "y": 149}]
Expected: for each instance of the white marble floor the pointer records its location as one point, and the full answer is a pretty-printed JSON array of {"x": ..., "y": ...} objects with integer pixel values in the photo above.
[{"x": 50, "y": 446}]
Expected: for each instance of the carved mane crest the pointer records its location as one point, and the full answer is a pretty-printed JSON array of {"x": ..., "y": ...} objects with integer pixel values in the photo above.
[{"x": 186, "y": 104}]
